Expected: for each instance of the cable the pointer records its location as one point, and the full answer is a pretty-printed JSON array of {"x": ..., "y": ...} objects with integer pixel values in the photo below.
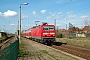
[
  {"x": 2, "y": 20},
  {"x": 62, "y": 5},
  {"x": 4, "y": 24}
]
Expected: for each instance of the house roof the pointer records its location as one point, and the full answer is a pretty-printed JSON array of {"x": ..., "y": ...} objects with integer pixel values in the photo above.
[
  {"x": 86, "y": 28},
  {"x": 62, "y": 30},
  {"x": 76, "y": 29}
]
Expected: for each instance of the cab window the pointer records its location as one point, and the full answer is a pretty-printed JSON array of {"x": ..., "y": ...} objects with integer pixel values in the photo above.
[
  {"x": 45, "y": 28},
  {"x": 51, "y": 28}
]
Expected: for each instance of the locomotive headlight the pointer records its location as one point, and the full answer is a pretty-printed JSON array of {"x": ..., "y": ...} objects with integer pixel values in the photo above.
[
  {"x": 45, "y": 33},
  {"x": 52, "y": 33}
]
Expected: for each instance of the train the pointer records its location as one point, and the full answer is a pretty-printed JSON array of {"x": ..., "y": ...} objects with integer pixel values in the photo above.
[{"x": 44, "y": 33}]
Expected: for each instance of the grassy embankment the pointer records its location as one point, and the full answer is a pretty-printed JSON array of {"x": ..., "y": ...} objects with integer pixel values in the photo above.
[
  {"x": 82, "y": 42},
  {"x": 2, "y": 38},
  {"x": 22, "y": 51}
]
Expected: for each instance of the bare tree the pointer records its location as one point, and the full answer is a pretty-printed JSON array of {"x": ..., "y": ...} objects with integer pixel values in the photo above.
[
  {"x": 71, "y": 30},
  {"x": 87, "y": 23}
]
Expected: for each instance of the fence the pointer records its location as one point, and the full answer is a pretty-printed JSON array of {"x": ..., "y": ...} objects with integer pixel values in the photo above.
[{"x": 10, "y": 52}]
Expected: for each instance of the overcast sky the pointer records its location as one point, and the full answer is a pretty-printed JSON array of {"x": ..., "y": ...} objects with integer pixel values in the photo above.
[{"x": 64, "y": 11}]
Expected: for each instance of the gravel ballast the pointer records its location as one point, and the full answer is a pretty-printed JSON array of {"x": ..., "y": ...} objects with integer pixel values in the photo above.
[{"x": 54, "y": 54}]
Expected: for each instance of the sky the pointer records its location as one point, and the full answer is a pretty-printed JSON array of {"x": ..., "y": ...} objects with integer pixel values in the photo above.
[{"x": 76, "y": 12}]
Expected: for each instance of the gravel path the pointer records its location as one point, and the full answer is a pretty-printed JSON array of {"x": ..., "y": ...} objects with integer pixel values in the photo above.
[{"x": 44, "y": 52}]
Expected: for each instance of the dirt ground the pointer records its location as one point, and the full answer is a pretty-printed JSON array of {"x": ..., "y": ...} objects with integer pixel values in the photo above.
[{"x": 45, "y": 50}]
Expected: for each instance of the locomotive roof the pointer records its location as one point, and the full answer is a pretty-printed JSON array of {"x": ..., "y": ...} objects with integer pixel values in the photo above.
[{"x": 41, "y": 25}]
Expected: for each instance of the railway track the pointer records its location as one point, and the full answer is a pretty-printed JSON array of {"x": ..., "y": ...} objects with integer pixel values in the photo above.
[
  {"x": 84, "y": 53},
  {"x": 6, "y": 42},
  {"x": 35, "y": 54}
]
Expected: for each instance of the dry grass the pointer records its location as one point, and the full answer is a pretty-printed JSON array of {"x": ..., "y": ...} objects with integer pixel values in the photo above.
[
  {"x": 22, "y": 51},
  {"x": 82, "y": 42}
]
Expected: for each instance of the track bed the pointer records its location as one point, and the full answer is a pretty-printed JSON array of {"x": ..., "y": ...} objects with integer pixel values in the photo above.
[{"x": 81, "y": 52}]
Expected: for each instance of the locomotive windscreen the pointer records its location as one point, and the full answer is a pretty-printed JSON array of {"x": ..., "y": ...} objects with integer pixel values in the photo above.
[
  {"x": 45, "y": 28},
  {"x": 51, "y": 28},
  {"x": 48, "y": 28}
]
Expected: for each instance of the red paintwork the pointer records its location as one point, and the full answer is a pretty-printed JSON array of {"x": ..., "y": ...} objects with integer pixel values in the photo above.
[
  {"x": 24, "y": 33},
  {"x": 38, "y": 32}
]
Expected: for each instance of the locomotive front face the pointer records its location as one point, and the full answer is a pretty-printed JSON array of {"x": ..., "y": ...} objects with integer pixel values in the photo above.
[
  {"x": 49, "y": 34},
  {"x": 49, "y": 31}
]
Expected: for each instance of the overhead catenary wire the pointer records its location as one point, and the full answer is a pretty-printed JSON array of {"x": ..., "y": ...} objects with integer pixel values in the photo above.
[
  {"x": 68, "y": 3},
  {"x": 62, "y": 5},
  {"x": 4, "y": 25},
  {"x": 59, "y": 7},
  {"x": 4, "y": 22}
]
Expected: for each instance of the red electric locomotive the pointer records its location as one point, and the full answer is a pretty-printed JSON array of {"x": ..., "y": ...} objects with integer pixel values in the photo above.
[{"x": 44, "y": 33}]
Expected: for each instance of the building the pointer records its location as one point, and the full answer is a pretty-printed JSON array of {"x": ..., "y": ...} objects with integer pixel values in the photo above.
[
  {"x": 3, "y": 34},
  {"x": 76, "y": 32}
]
